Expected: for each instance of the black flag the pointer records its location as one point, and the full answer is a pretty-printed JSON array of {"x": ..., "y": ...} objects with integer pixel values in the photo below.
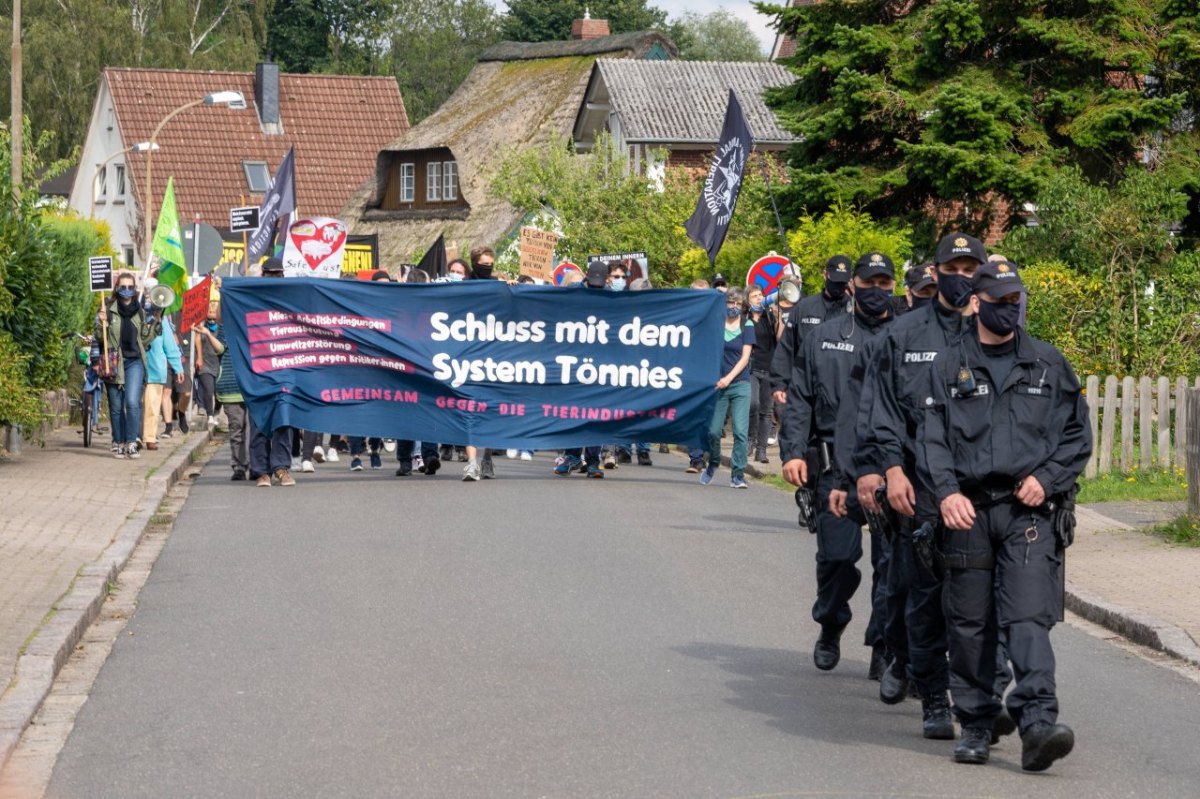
[
  {"x": 280, "y": 201},
  {"x": 714, "y": 209},
  {"x": 434, "y": 261}
]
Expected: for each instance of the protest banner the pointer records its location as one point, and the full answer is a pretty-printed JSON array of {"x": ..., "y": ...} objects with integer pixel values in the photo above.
[
  {"x": 195, "y": 304},
  {"x": 636, "y": 264},
  {"x": 478, "y": 362},
  {"x": 537, "y": 253},
  {"x": 100, "y": 272},
  {"x": 315, "y": 248}
]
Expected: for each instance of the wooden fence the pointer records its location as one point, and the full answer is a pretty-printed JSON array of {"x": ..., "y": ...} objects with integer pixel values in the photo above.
[
  {"x": 1192, "y": 462},
  {"x": 1138, "y": 423}
]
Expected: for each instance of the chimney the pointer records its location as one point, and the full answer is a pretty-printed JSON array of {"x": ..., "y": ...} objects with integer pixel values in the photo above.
[
  {"x": 588, "y": 28},
  {"x": 266, "y": 97}
]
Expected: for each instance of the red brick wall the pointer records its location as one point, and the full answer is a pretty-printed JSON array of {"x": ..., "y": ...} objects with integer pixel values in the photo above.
[{"x": 589, "y": 28}]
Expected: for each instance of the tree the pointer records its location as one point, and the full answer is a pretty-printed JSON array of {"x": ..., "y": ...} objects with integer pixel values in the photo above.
[
  {"x": 953, "y": 113},
  {"x": 716, "y": 36},
  {"x": 550, "y": 20},
  {"x": 433, "y": 44}
]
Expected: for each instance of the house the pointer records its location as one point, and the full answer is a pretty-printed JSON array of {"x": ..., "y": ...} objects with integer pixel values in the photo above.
[
  {"x": 785, "y": 46},
  {"x": 677, "y": 106},
  {"x": 223, "y": 156},
  {"x": 435, "y": 179}
]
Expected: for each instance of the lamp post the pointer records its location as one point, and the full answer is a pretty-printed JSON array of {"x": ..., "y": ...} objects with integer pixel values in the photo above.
[
  {"x": 140, "y": 147},
  {"x": 229, "y": 98}
]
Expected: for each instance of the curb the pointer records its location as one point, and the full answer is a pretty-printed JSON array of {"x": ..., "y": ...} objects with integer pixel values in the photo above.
[
  {"x": 74, "y": 613},
  {"x": 1137, "y": 627}
]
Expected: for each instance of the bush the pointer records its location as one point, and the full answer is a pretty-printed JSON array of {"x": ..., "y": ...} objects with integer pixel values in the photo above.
[{"x": 19, "y": 403}]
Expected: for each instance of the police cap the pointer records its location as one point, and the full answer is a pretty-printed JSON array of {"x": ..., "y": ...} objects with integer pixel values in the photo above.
[
  {"x": 960, "y": 245},
  {"x": 873, "y": 264},
  {"x": 838, "y": 268},
  {"x": 998, "y": 279}
]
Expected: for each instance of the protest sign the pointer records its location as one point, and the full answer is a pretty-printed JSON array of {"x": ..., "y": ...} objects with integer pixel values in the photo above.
[
  {"x": 100, "y": 270},
  {"x": 561, "y": 271},
  {"x": 314, "y": 248},
  {"x": 195, "y": 304},
  {"x": 244, "y": 219},
  {"x": 537, "y": 253},
  {"x": 478, "y": 362},
  {"x": 636, "y": 264}
]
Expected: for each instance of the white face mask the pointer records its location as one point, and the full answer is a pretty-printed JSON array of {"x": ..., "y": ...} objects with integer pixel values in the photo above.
[{"x": 454, "y": 277}]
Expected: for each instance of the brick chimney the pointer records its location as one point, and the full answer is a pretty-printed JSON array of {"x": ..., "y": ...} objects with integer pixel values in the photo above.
[{"x": 588, "y": 28}]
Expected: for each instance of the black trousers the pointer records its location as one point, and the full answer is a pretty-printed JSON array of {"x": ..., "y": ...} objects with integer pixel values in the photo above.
[
  {"x": 916, "y": 626},
  {"x": 589, "y": 455},
  {"x": 405, "y": 447},
  {"x": 1019, "y": 596},
  {"x": 839, "y": 548}
]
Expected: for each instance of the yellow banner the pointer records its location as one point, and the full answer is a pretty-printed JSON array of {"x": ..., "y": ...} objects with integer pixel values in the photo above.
[{"x": 357, "y": 258}]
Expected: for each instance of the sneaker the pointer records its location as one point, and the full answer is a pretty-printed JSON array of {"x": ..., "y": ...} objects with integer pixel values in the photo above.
[
  {"x": 418, "y": 463},
  {"x": 487, "y": 470},
  {"x": 118, "y": 451},
  {"x": 131, "y": 451},
  {"x": 695, "y": 467},
  {"x": 319, "y": 454},
  {"x": 567, "y": 465},
  {"x": 295, "y": 464},
  {"x": 307, "y": 467},
  {"x": 376, "y": 461},
  {"x": 738, "y": 482},
  {"x": 510, "y": 454},
  {"x": 526, "y": 455},
  {"x": 471, "y": 472},
  {"x": 772, "y": 440},
  {"x": 644, "y": 458},
  {"x": 582, "y": 467},
  {"x": 167, "y": 433},
  {"x": 183, "y": 423},
  {"x": 389, "y": 445},
  {"x": 594, "y": 471},
  {"x": 356, "y": 464},
  {"x": 432, "y": 465},
  {"x": 239, "y": 475},
  {"x": 212, "y": 422},
  {"x": 623, "y": 456},
  {"x": 664, "y": 449},
  {"x": 610, "y": 462},
  {"x": 285, "y": 477},
  {"x": 331, "y": 455},
  {"x": 264, "y": 481},
  {"x": 707, "y": 475}
]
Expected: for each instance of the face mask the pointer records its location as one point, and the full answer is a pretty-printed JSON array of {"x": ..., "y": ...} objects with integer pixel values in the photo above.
[
  {"x": 732, "y": 312},
  {"x": 835, "y": 291},
  {"x": 872, "y": 300},
  {"x": 483, "y": 272},
  {"x": 920, "y": 302},
  {"x": 617, "y": 284},
  {"x": 757, "y": 308},
  {"x": 999, "y": 317},
  {"x": 955, "y": 289},
  {"x": 454, "y": 277},
  {"x": 126, "y": 292},
  {"x": 212, "y": 324}
]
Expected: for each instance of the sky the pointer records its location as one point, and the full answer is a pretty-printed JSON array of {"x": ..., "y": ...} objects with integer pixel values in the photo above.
[{"x": 759, "y": 23}]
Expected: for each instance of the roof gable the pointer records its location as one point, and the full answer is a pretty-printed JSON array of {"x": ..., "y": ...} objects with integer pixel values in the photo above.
[{"x": 638, "y": 43}]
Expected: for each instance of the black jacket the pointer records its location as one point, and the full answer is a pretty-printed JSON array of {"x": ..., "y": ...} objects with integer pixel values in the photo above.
[
  {"x": 1034, "y": 423},
  {"x": 807, "y": 314}
]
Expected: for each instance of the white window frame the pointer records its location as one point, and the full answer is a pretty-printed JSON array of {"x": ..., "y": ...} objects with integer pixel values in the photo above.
[
  {"x": 449, "y": 181},
  {"x": 408, "y": 183},
  {"x": 266, "y": 173},
  {"x": 120, "y": 188},
  {"x": 101, "y": 187},
  {"x": 128, "y": 252},
  {"x": 433, "y": 182}
]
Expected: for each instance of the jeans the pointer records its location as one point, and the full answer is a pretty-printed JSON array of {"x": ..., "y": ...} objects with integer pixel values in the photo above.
[
  {"x": 762, "y": 409},
  {"x": 733, "y": 400},
  {"x": 125, "y": 403},
  {"x": 589, "y": 455},
  {"x": 404, "y": 450},
  {"x": 269, "y": 451},
  {"x": 358, "y": 445}
]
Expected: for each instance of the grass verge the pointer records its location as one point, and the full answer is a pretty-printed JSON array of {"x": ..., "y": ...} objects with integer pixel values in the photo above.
[
  {"x": 1184, "y": 530},
  {"x": 1142, "y": 485},
  {"x": 775, "y": 481}
]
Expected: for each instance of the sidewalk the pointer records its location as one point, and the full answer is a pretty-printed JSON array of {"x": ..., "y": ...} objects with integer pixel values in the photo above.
[
  {"x": 1117, "y": 576},
  {"x": 71, "y": 518}
]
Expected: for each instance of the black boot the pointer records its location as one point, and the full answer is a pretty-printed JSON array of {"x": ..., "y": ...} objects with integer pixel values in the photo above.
[
  {"x": 760, "y": 455},
  {"x": 878, "y": 663},
  {"x": 936, "y": 722},
  {"x": 1003, "y": 725},
  {"x": 973, "y": 746},
  {"x": 828, "y": 649},
  {"x": 1043, "y": 743},
  {"x": 893, "y": 685}
]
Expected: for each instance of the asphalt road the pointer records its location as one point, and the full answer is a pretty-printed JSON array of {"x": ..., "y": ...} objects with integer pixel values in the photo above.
[{"x": 641, "y": 636}]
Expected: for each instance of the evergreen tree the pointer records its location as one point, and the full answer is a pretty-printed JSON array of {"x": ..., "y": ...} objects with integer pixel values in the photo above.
[
  {"x": 550, "y": 20},
  {"x": 955, "y": 112}
]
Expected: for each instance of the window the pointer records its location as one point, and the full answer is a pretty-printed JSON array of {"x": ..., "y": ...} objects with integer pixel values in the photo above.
[
  {"x": 450, "y": 180},
  {"x": 128, "y": 255},
  {"x": 119, "y": 189},
  {"x": 257, "y": 177},
  {"x": 101, "y": 181},
  {"x": 408, "y": 182},
  {"x": 433, "y": 182}
]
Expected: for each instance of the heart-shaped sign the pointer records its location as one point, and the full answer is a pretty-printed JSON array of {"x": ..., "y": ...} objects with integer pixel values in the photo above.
[{"x": 318, "y": 240}]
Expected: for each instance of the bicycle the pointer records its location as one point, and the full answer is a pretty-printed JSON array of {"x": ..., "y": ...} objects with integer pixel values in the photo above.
[{"x": 89, "y": 397}]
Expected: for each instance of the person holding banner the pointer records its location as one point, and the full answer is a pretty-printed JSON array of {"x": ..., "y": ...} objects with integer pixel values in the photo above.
[
  {"x": 733, "y": 397},
  {"x": 271, "y": 450},
  {"x": 129, "y": 333},
  {"x": 483, "y": 261},
  {"x": 767, "y": 324}
]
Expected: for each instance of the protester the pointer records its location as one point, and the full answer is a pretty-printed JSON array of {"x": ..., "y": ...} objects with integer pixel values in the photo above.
[
  {"x": 767, "y": 324},
  {"x": 208, "y": 335},
  {"x": 230, "y": 396},
  {"x": 163, "y": 351},
  {"x": 733, "y": 392},
  {"x": 483, "y": 262},
  {"x": 457, "y": 270},
  {"x": 271, "y": 450},
  {"x": 129, "y": 333}
]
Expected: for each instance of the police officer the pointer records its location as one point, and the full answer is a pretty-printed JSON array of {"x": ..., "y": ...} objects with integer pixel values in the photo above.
[
  {"x": 920, "y": 287},
  {"x": 806, "y": 315},
  {"x": 889, "y": 414},
  {"x": 828, "y": 356},
  {"x": 1005, "y": 430}
]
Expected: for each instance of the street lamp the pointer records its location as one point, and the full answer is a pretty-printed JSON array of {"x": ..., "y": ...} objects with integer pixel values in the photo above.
[
  {"x": 232, "y": 99},
  {"x": 140, "y": 147}
]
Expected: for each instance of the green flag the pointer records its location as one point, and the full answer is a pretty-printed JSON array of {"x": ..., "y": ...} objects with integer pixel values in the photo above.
[{"x": 168, "y": 246}]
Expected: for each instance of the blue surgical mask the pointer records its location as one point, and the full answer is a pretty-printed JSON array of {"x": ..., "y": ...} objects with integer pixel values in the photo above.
[
  {"x": 732, "y": 311},
  {"x": 757, "y": 308},
  {"x": 617, "y": 284},
  {"x": 126, "y": 293},
  {"x": 454, "y": 277}
]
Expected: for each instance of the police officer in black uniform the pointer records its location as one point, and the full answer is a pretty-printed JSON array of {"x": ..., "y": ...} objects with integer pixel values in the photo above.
[
  {"x": 1005, "y": 432},
  {"x": 806, "y": 315},
  {"x": 920, "y": 287},
  {"x": 889, "y": 414},
  {"x": 828, "y": 355}
]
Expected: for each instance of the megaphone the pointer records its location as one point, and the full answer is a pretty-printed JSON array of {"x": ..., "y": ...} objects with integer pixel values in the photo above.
[
  {"x": 162, "y": 296},
  {"x": 787, "y": 291}
]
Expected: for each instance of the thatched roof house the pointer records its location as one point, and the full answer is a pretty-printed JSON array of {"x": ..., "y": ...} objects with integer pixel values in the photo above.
[{"x": 435, "y": 179}]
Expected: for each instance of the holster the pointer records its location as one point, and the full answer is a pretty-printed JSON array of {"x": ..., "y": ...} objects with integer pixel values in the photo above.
[
  {"x": 927, "y": 547},
  {"x": 1062, "y": 516},
  {"x": 887, "y": 523},
  {"x": 806, "y": 501}
]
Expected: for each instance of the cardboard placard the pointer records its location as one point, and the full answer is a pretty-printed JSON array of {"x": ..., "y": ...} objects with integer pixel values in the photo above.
[
  {"x": 537, "y": 253},
  {"x": 195, "y": 304},
  {"x": 315, "y": 248},
  {"x": 101, "y": 271}
]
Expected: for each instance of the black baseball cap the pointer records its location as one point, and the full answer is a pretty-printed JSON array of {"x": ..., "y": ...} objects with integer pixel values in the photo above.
[
  {"x": 918, "y": 277},
  {"x": 838, "y": 268},
  {"x": 272, "y": 266},
  {"x": 719, "y": 280},
  {"x": 998, "y": 279},
  {"x": 960, "y": 245},
  {"x": 872, "y": 264},
  {"x": 597, "y": 275}
]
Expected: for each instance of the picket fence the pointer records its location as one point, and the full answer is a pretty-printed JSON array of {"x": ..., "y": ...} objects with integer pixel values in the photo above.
[{"x": 1137, "y": 423}]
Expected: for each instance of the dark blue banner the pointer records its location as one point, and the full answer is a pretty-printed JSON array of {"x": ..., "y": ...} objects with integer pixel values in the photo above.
[{"x": 479, "y": 362}]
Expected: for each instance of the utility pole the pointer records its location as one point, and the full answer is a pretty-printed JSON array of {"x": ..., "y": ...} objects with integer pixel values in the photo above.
[{"x": 18, "y": 123}]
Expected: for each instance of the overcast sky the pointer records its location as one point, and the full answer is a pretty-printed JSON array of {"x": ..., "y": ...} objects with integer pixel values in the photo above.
[{"x": 674, "y": 8}]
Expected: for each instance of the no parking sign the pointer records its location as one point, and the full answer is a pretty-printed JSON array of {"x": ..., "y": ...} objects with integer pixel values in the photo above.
[{"x": 768, "y": 271}]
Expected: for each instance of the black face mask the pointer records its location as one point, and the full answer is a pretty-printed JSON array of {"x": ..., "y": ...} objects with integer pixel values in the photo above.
[
  {"x": 872, "y": 300},
  {"x": 955, "y": 289},
  {"x": 482, "y": 272},
  {"x": 999, "y": 317},
  {"x": 921, "y": 302},
  {"x": 835, "y": 291}
]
